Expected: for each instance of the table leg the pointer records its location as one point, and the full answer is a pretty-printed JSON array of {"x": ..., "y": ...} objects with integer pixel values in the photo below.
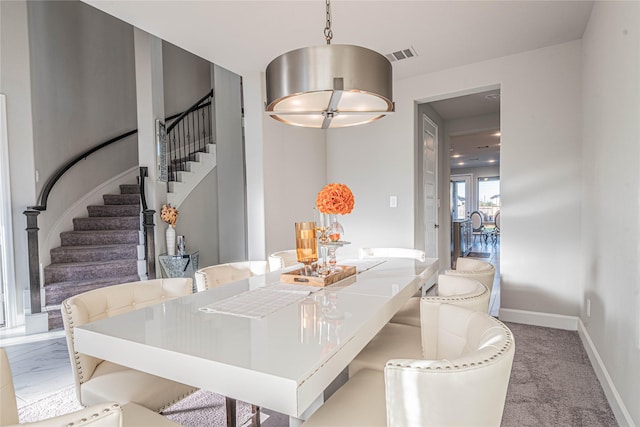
[
  {"x": 255, "y": 416},
  {"x": 231, "y": 411}
]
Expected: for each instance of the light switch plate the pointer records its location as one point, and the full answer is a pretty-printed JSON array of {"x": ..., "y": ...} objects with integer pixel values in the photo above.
[{"x": 393, "y": 201}]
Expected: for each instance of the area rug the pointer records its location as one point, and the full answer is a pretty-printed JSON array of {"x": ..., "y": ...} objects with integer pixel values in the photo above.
[
  {"x": 479, "y": 254},
  {"x": 59, "y": 403},
  {"x": 202, "y": 408}
]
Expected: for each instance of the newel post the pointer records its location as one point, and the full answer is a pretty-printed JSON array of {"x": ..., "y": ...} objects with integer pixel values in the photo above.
[
  {"x": 149, "y": 242},
  {"x": 148, "y": 225},
  {"x": 34, "y": 259}
]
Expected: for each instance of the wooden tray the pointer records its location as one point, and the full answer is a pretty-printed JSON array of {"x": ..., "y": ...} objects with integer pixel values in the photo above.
[{"x": 297, "y": 278}]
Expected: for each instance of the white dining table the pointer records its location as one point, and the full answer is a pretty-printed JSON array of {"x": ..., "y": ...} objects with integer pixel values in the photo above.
[{"x": 281, "y": 358}]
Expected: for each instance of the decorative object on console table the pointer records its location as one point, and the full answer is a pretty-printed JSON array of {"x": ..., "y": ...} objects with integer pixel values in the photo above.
[
  {"x": 169, "y": 215},
  {"x": 334, "y": 199},
  {"x": 179, "y": 266},
  {"x": 182, "y": 246}
]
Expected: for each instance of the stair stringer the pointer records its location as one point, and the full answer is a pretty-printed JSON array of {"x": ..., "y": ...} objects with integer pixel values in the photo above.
[
  {"x": 79, "y": 210},
  {"x": 188, "y": 180}
]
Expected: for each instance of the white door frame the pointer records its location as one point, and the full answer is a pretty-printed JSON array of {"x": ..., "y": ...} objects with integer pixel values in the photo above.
[{"x": 7, "y": 285}]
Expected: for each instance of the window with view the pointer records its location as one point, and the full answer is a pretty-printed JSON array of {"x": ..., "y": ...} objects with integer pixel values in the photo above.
[{"x": 489, "y": 196}]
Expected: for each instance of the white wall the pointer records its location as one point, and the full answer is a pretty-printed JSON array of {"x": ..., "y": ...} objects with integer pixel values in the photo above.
[
  {"x": 611, "y": 229},
  {"x": 294, "y": 173},
  {"x": 15, "y": 84},
  {"x": 540, "y": 166}
]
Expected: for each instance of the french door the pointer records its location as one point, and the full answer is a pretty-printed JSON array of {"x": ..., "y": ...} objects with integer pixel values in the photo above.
[{"x": 461, "y": 194}]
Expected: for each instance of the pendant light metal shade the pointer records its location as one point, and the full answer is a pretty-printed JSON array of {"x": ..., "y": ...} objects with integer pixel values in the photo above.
[{"x": 329, "y": 86}]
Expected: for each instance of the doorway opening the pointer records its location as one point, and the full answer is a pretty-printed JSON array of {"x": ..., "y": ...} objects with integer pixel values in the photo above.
[{"x": 470, "y": 170}]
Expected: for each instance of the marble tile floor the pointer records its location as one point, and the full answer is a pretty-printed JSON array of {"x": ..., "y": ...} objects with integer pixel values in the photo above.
[{"x": 39, "y": 368}]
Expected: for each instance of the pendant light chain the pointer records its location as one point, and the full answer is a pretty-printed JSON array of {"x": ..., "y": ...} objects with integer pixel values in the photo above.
[{"x": 328, "y": 34}]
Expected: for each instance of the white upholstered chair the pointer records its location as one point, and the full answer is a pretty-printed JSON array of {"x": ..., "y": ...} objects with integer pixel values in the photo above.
[
  {"x": 408, "y": 341},
  {"x": 482, "y": 271},
  {"x": 283, "y": 259},
  {"x": 458, "y": 290},
  {"x": 216, "y": 275},
  {"x": 461, "y": 380},
  {"x": 107, "y": 414},
  {"x": 392, "y": 253},
  {"x": 99, "y": 380}
]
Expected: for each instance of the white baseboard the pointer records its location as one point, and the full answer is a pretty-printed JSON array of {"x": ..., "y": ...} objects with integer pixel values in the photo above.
[
  {"x": 613, "y": 397},
  {"x": 557, "y": 321},
  {"x": 573, "y": 323}
]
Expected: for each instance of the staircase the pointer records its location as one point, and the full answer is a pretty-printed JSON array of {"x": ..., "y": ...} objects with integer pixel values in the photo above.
[{"x": 101, "y": 250}]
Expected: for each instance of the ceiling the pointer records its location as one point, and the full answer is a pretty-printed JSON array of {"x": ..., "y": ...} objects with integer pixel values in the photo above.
[
  {"x": 244, "y": 36},
  {"x": 474, "y": 148}
]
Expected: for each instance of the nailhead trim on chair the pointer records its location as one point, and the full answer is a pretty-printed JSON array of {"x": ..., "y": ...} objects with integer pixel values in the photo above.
[
  {"x": 453, "y": 297},
  {"x": 72, "y": 329},
  {"x": 177, "y": 400},
  {"x": 508, "y": 344},
  {"x": 93, "y": 416}
]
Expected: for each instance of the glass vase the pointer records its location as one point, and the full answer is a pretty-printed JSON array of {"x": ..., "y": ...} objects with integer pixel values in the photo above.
[{"x": 335, "y": 233}]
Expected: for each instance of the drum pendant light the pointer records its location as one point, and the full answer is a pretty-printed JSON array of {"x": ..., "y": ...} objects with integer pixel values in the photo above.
[{"x": 329, "y": 86}]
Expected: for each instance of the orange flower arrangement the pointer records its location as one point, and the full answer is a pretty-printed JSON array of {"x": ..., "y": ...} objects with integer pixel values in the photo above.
[
  {"x": 169, "y": 215},
  {"x": 335, "y": 199}
]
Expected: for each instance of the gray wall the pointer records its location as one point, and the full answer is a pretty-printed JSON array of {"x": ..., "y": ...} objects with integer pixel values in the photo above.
[
  {"x": 232, "y": 219},
  {"x": 198, "y": 220},
  {"x": 83, "y": 93},
  {"x": 187, "y": 78},
  {"x": 83, "y": 83}
]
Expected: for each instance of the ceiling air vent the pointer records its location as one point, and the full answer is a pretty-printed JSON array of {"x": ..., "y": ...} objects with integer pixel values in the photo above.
[{"x": 401, "y": 54}]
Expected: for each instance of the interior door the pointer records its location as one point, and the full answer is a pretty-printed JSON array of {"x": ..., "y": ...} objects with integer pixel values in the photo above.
[{"x": 430, "y": 185}]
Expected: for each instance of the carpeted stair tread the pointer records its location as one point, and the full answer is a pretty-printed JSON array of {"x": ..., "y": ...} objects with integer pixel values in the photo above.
[
  {"x": 107, "y": 223},
  {"x": 59, "y": 291},
  {"x": 113, "y": 210},
  {"x": 121, "y": 199},
  {"x": 61, "y": 272},
  {"x": 98, "y": 237},
  {"x": 129, "y": 189},
  {"x": 85, "y": 253}
]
